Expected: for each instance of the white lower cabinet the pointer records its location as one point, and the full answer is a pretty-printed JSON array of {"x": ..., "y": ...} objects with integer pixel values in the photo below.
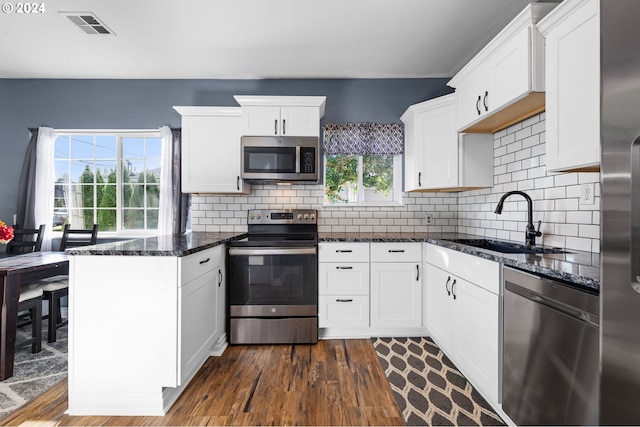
[
  {"x": 200, "y": 323},
  {"x": 396, "y": 285},
  {"x": 370, "y": 289},
  {"x": 463, "y": 314},
  {"x": 343, "y": 285},
  {"x": 165, "y": 328}
]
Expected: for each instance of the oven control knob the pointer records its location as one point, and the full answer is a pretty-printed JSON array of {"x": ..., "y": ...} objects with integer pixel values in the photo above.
[
  {"x": 251, "y": 216},
  {"x": 299, "y": 216},
  {"x": 273, "y": 309},
  {"x": 306, "y": 216},
  {"x": 312, "y": 216},
  {"x": 258, "y": 216}
]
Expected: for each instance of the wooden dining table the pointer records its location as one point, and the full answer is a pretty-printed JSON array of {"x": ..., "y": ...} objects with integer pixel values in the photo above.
[{"x": 16, "y": 271}]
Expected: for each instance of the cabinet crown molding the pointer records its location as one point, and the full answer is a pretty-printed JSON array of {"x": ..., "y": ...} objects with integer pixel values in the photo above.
[
  {"x": 563, "y": 11},
  {"x": 208, "y": 111},
  {"x": 428, "y": 105},
  {"x": 529, "y": 16},
  {"x": 283, "y": 101}
]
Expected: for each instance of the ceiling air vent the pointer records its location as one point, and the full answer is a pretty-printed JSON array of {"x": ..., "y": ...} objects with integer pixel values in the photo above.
[{"x": 88, "y": 22}]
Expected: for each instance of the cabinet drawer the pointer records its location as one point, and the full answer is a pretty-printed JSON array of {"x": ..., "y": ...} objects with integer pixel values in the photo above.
[
  {"x": 343, "y": 278},
  {"x": 396, "y": 252},
  {"x": 343, "y": 252},
  {"x": 344, "y": 311},
  {"x": 195, "y": 265},
  {"x": 479, "y": 271}
]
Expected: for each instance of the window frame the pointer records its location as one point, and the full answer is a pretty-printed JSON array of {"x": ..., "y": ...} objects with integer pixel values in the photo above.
[
  {"x": 120, "y": 134},
  {"x": 398, "y": 199}
]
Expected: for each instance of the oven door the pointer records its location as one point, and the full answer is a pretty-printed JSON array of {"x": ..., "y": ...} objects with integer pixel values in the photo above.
[{"x": 273, "y": 281}]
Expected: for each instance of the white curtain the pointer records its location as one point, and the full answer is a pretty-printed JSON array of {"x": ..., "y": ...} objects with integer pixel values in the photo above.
[
  {"x": 45, "y": 178},
  {"x": 165, "y": 216}
]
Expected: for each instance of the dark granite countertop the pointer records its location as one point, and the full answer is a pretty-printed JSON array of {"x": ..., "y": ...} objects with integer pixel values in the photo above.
[
  {"x": 176, "y": 245},
  {"x": 577, "y": 268}
]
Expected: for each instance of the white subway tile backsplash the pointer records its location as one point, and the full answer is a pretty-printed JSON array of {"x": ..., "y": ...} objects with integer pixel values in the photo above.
[{"x": 519, "y": 164}]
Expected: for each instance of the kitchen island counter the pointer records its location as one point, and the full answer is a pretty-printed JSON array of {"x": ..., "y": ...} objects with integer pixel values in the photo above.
[
  {"x": 144, "y": 315},
  {"x": 170, "y": 245},
  {"x": 578, "y": 268}
]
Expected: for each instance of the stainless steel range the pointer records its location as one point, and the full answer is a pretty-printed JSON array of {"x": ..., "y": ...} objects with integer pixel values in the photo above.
[{"x": 273, "y": 279}]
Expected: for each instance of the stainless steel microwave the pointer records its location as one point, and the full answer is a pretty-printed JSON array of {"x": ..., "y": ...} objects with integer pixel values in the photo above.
[{"x": 280, "y": 159}]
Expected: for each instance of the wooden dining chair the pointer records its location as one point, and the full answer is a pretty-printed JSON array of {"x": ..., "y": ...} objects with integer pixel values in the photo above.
[
  {"x": 31, "y": 301},
  {"x": 25, "y": 240},
  {"x": 55, "y": 288}
]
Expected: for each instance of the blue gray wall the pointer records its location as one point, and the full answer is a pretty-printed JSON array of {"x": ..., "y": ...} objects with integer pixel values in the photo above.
[{"x": 147, "y": 104}]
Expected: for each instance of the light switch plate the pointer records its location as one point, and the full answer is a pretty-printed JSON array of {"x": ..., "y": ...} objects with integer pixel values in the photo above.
[{"x": 587, "y": 196}]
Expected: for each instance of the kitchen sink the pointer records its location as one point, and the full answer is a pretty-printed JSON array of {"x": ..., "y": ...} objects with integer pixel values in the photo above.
[{"x": 507, "y": 247}]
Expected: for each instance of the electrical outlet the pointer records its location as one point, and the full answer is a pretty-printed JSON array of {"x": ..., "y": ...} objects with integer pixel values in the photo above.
[
  {"x": 587, "y": 196},
  {"x": 429, "y": 219}
]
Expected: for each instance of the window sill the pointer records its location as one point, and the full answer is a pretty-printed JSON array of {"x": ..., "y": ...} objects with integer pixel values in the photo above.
[{"x": 362, "y": 205}]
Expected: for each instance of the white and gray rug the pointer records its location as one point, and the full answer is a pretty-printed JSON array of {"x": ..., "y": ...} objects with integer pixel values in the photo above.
[
  {"x": 428, "y": 388},
  {"x": 33, "y": 374}
]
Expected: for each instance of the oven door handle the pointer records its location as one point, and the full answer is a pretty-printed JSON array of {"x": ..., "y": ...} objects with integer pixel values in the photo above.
[{"x": 272, "y": 251}]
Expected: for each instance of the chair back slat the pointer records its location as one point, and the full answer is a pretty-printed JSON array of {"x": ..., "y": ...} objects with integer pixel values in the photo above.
[
  {"x": 25, "y": 240},
  {"x": 72, "y": 238}
]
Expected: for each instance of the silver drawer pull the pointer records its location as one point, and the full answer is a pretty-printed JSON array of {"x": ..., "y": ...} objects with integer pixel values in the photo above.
[
  {"x": 343, "y": 250},
  {"x": 344, "y": 268},
  {"x": 344, "y": 300},
  {"x": 205, "y": 261},
  {"x": 396, "y": 250}
]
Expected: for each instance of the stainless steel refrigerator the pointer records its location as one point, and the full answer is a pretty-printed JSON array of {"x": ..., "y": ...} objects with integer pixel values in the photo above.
[{"x": 620, "y": 220}]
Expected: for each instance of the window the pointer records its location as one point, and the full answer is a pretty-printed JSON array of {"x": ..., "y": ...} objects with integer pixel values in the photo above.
[
  {"x": 112, "y": 179},
  {"x": 363, "y": 164}
]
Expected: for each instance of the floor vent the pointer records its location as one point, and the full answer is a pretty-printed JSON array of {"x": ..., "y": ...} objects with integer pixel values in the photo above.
[{"x": 88, "y": 22}]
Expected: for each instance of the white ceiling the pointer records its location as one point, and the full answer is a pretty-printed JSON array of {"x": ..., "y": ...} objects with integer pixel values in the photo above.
[{"x": 246, "y": 39}]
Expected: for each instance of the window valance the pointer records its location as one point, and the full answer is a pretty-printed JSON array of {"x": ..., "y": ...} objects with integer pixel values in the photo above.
[{"x": 363, "y": 138}]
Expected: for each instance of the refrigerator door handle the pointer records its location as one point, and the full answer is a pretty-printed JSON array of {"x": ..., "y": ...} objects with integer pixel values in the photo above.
[{"x": 635, "y": 217}]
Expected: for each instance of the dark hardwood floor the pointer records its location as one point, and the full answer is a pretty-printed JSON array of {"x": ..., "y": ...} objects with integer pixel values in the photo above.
[{"x": 336, "y": 382}]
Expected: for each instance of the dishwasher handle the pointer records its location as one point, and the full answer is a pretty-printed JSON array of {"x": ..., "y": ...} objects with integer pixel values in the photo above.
[{"x": 574, "y": 312}]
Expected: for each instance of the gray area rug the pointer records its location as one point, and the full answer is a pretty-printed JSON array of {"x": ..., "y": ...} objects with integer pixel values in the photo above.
[
  {"x": 33, "y": 374},
  {"x": 428, "y": 388}
]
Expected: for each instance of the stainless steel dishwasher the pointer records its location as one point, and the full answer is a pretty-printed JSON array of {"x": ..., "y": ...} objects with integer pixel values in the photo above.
[{"x": 551, "y": 351}]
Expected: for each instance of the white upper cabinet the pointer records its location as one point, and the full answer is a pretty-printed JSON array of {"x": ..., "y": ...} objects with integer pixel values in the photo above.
[
  {"x": 281, "y": 115},
  {"x": 572, "y": 34},
  {"x": 211, "y": 150},
  {"x": 437, "y": 157},
  {"x": 504, "y": 83}
]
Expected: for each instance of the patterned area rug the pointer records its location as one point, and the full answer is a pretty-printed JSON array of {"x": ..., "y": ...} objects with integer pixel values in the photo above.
[
  {"x": 33, "y": 374},
  {"x": 428, "y": 388}
]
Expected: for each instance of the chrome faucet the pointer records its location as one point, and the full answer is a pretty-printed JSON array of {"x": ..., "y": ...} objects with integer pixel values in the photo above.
[{"x": 531, "y": 233}]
